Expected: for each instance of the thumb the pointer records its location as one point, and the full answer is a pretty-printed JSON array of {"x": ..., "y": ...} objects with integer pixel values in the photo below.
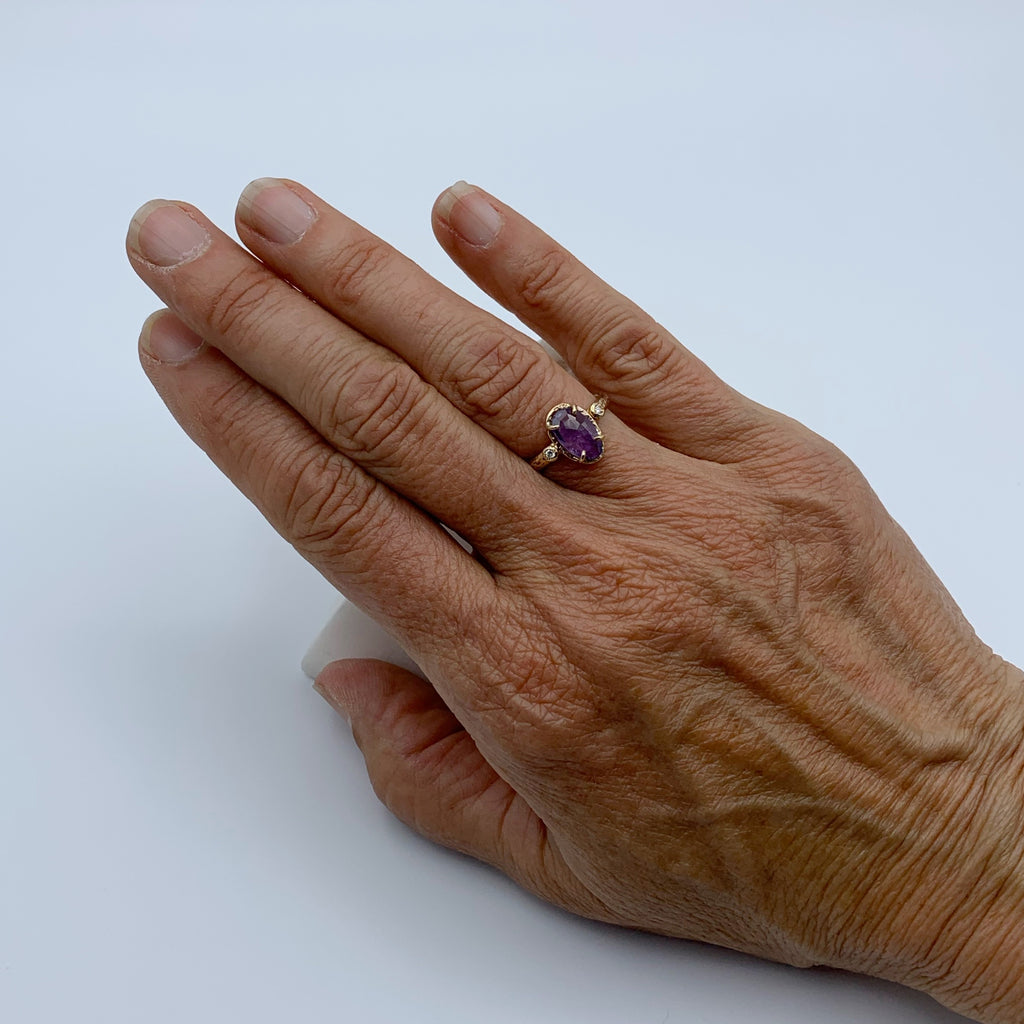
[{"x": 428, "y": 771}]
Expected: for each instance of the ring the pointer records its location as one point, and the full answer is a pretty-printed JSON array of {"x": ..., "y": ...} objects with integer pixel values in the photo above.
[{"x": 574, "y": 433}]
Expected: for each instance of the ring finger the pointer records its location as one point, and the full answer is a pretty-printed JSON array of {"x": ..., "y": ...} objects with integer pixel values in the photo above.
[{"x": 659, "y": 388}]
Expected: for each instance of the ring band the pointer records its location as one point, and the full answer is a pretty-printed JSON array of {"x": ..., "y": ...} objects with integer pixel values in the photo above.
[{"x": 574, "y": 433}]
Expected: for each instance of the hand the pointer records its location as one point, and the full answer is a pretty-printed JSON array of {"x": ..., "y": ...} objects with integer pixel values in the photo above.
[{"x": 704, "y": 686}]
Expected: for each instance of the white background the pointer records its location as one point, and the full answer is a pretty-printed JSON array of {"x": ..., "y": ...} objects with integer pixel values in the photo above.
[{"x": 822, "y": 199}]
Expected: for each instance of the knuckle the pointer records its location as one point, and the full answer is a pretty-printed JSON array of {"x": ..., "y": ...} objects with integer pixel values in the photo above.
[
  {"x": 246, "y": 301},
  {"x": 239, "y": 422},
  {"x": 490, "y": 370},
  {"x": 352, "y": 266},
  {"x": 548, "y": 279},
  {"x": 825, "y": 506},
  {"x": 634, "y": 347},
  {"x": 376, "y": 411},
  {"x": 327, "y": 502},
  {"x": 813, "y": 463}
]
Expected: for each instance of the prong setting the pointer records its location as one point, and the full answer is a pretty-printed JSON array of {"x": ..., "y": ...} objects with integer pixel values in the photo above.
[{"x": 574, "y": 432}]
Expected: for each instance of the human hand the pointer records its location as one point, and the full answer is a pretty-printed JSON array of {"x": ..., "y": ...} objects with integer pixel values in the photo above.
[{"x": 704, "y": 686}]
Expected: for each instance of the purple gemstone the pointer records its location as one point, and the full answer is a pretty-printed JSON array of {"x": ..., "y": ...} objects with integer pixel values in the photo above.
[{"x": 576, "y": 432}]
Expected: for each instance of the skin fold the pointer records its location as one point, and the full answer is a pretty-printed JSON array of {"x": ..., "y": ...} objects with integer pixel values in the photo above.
[{"x": 704, "y": 687}]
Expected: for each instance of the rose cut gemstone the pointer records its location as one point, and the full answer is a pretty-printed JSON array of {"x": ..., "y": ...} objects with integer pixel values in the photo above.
[{"x": 576, "y": 433}]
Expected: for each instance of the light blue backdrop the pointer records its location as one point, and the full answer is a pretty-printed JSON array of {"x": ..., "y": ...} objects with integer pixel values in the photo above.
[{"x": 822, "y": 199}]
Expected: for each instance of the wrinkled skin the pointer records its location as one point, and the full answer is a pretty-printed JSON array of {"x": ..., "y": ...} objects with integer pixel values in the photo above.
[{"x": 705, "y": 687}]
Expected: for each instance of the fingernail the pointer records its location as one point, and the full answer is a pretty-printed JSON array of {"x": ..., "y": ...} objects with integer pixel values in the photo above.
[
  {"x": 469, "y": 214},
  {"x": 168, "y": 340},
  {"x": 275, "y": 211},
  {"x": 166, "y": 235},
  {"x": 332, "y": 700}
]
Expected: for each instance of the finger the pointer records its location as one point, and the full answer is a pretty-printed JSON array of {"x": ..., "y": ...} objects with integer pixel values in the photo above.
[
  {"x": 375, "y": 547},
  {"x": 427, "y": 770},
  {"x": 492, "y": 373},
  {"x": 612, "y": 345},
  {"x": 367, "y": 403}
]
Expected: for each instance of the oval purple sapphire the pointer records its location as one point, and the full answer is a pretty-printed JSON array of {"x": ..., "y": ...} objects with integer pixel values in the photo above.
[{"x": 576, "y": 433}]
